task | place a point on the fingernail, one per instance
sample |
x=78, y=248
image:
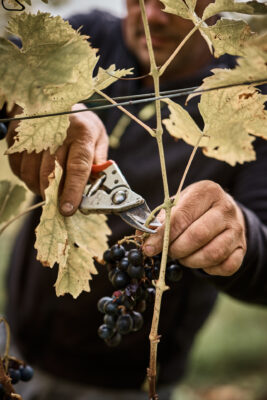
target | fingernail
x=149, y=249
x=66, y=208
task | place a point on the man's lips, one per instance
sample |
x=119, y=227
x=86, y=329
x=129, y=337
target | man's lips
x=157, y=40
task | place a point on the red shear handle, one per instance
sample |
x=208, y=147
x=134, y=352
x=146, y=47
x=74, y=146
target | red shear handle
x=96, y=168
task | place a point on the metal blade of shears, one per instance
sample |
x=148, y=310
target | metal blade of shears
x=137, y=216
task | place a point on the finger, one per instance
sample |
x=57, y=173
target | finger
x=78, y=168
x=230, y=266
x=214, y=253
x=29, y=171
x=199, y=233
x=194, y=201
x=101, y=148
x=48, y=165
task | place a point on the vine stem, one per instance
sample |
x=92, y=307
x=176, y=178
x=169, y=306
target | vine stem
x=160, y=284
x=132, y=116
x=21, y=214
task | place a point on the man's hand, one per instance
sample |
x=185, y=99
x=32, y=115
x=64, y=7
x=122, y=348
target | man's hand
x=86, y=142
x=207, y=230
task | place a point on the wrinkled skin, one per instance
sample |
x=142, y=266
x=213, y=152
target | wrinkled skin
x=207, y=234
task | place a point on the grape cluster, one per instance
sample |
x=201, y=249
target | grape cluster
x=17, y=371
x=132, y=275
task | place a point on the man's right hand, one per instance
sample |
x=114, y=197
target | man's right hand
x=86, y=142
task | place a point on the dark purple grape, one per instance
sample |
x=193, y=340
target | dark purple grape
x=105, y=332
x=26, y=373
x=123, y=265
x=149, y=273
x=136, y=271
x=107, y=256
x=174, y=272
x=151, y=292
x=111, y=307
x=3, y=130
x=135, y=257
x=124, y=324
x=117, y=252
x=128, y=302
x=141, y=306
x=111, y=274
x=101, y=303
x=120, y=279
x=137, y=321
x=14, y=375
x=114, y=340
x=155, y=272
x=110, y=320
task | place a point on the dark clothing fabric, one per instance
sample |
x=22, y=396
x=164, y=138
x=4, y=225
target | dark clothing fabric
x=59, y=335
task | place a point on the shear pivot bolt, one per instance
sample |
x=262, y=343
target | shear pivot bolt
x=119, y=197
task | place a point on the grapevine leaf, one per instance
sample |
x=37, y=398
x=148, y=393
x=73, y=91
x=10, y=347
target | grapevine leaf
x=11, y=198
x=177, y=7
x=251, y=67
x=181, y=126
x=25, y=73
x=231, y=116
x=106, y=77
x=72, y=242
x=191, y=4
x=250, y=7
x=228, y=36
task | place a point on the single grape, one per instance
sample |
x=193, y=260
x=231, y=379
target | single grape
x=123, y=265
x=111, y=307
x=110, y=320
x=3, y=130
x=141, y=306
x=120, y=279
x=128, y=302
x=117, y=252
x=105, y=332
x=14, y=375
x=26, y=372
x=174, y=272
x=136, y=271
x=137, y=321
x=107, y=256
x=149, y=273
x=151, y=292
x=114, y=340
x=101, y=303
x=135, y=257
x=124, y=324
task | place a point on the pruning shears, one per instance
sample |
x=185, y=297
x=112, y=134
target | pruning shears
x=109, y=193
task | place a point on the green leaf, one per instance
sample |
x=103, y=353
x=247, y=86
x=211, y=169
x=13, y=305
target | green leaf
x=250, y=7
x=228, y=36
x=72, y=242
x=106, y=77
x=11, y=198
x=177, y=7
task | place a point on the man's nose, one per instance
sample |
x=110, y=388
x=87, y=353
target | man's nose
x=154, y=12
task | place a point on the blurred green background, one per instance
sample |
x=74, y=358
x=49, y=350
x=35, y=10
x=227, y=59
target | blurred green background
x=229, y=358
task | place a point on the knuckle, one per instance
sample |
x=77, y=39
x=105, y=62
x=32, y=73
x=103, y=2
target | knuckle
x=214, y=255
x=230, y=267
x=183, y=219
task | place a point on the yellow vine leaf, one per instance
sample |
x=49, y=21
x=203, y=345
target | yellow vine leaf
x=72, y=242
x=11, y=198
x=250, y=7
x=228, y=36
x=63, y=76
x=177, y=7
x=231, y=117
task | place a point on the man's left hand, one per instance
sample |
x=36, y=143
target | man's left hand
x=207, y=230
